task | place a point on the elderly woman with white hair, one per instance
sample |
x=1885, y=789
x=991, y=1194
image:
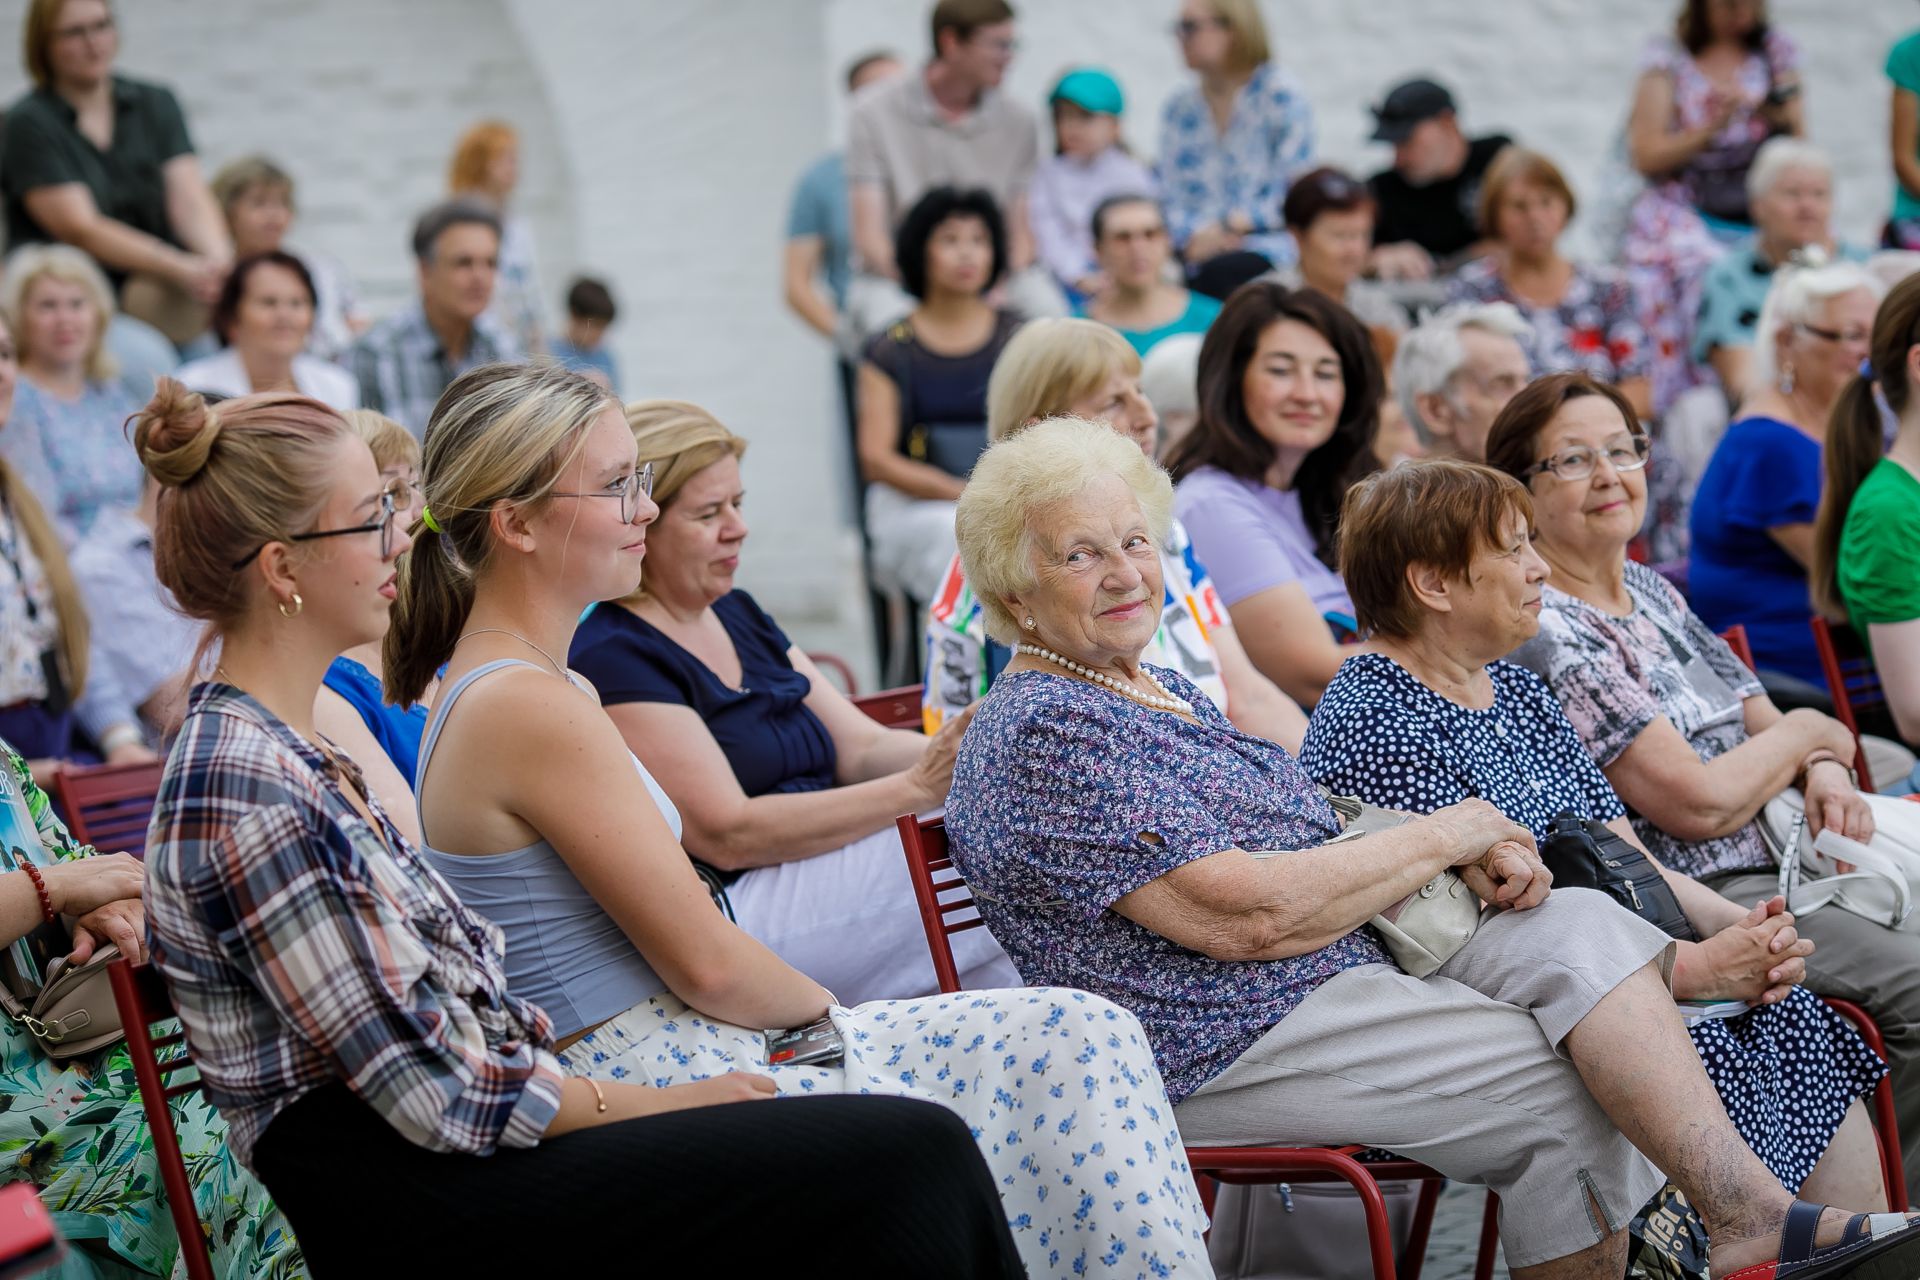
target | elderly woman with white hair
x=1455, y=372
x=1087, y=370
x=1105, y=812
x=1790, y=191
x=66, y=436
x=1753, y=512
x=1169, y=379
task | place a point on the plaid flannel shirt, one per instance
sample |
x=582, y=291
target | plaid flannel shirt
x=300, y=949
x=402, y=368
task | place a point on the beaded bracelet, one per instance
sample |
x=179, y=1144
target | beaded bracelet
x=39, y=887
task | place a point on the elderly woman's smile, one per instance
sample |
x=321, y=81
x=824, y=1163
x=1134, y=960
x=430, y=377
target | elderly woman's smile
x=1097, y=578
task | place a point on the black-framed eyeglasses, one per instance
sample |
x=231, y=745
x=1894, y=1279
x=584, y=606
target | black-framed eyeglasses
x=383, y=526
x=1188, y=28
x=1852, y=337
x=1623, y=453
x=629, y=489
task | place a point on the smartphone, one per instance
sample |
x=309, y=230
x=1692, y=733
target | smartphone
x=28, y=1241
x=816, y=1044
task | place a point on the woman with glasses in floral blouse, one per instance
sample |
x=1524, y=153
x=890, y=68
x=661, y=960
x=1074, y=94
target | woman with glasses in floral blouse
x=350, y=1016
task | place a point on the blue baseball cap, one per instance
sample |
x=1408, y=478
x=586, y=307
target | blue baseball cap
x=1091, y=90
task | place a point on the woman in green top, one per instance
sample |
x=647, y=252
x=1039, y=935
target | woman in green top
x=75, y=1128
x=1867, y=537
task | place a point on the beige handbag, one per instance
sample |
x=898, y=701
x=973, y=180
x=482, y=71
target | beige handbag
x=73, y=1013
x=1426, y=928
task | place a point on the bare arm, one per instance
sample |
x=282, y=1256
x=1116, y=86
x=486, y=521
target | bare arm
x=1664, y=779
x=864, y=748
x=877, y=443
x=1288, y=640
x=1906, y=141
x=572, y=783
x=872, y=238
x=1255, y=704
x=1020, y=249
x=337, y=721
x=734, y=831
x=1639, y=394
x=1796, y=540
x=1654, y=146
x=1896, y=653
x=68, y=212
x=800, y=264
x=1234, y=907
x=192, y=211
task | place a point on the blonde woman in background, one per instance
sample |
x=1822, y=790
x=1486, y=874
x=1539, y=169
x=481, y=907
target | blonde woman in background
x=486, y=167
x=1086, y=370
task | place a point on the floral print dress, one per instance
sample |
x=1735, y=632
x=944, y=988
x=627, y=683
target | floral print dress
x=76, y=1131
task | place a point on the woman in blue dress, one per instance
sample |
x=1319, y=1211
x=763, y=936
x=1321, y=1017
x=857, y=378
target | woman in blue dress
x=1443, y=574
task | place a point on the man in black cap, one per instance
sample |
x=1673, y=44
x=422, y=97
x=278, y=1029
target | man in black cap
x=1425, y=218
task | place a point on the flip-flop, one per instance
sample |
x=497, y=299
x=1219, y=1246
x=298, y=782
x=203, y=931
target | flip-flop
x=1874, y=1246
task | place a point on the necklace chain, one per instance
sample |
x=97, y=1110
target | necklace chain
x=502, y=631
x=1167, y=701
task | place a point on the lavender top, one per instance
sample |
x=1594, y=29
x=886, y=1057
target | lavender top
x=1067, y=798
x=1252, y=536
x=1062, y=197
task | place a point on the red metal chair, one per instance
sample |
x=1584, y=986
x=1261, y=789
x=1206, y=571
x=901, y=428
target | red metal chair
x=143, y=1000
x=1852, y=682
x=946, y=908
x=894, y=708
x=1736, y=638
x=840, y=667
x=107, y=805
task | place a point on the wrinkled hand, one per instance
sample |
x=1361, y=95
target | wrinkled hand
x=1509, y=877
x=1473, y=827
x=932, y=773
x=1832, y=803
x=86, y=884
x=1760, y=959
x=122, y=923
x=1403, y=261
x=1824, y=733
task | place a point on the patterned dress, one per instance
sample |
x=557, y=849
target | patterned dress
x=76, y=1130
x=75, y=454
x=1207, y=174
x=1787, y=1072
x=1058, y=1087
x=962, y=662
x=1615, y=676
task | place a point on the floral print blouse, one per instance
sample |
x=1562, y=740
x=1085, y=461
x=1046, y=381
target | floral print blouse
x=1067, y=797
x=1593, y=328
x=1616, y=676
x=1206, y=174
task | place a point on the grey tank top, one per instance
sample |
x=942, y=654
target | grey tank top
x=564, y=952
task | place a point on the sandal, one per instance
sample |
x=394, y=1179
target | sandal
x=1874, y=1246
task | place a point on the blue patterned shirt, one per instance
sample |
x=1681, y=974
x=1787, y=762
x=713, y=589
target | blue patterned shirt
x=75, y=454
x=1058, y=788
x=303, y=947
x=1206, y=175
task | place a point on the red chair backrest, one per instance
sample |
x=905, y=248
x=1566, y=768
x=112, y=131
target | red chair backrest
x=1852, y=683
x=141, y=996
x=1736, y=638
x=840, y=667
x=894, y=708
x=108, y=805
x=946, y=905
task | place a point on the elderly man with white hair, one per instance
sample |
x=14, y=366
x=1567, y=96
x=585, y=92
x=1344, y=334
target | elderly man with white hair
x=1455, y=372
x=1790, y=191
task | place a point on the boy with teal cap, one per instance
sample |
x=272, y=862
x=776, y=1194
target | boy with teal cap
x=1090, y=164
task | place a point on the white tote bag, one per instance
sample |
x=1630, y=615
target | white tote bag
x=1885, y=880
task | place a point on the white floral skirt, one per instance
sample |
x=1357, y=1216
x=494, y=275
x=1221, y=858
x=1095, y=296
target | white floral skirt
x=1059, y=1088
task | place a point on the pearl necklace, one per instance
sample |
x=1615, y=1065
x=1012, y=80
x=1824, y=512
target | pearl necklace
x=1165, y=702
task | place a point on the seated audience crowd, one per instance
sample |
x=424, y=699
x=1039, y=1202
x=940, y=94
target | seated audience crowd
x=1289, y=551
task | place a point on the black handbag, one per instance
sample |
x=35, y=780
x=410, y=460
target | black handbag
x=1583, y=854
x=951, y=446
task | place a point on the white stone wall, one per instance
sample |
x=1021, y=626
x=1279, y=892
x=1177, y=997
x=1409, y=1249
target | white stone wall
x=661, y=139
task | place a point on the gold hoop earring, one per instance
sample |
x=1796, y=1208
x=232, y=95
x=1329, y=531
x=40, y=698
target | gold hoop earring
x=298, y=605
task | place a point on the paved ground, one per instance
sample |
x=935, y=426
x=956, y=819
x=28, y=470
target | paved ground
x=1456, y=1235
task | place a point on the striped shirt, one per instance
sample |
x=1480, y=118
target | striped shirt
x=402, y=368
x=301, y=949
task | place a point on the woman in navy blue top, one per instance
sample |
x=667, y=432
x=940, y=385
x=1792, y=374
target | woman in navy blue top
x=1752, y=520
x=787, y=791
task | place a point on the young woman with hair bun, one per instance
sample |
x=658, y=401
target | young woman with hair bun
x=348, y=1013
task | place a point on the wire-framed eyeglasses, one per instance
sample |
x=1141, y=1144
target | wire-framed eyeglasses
x=1623, y=453
x=383, y=525
x=629, y=488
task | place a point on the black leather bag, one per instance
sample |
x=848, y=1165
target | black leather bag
x=1583, y=854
